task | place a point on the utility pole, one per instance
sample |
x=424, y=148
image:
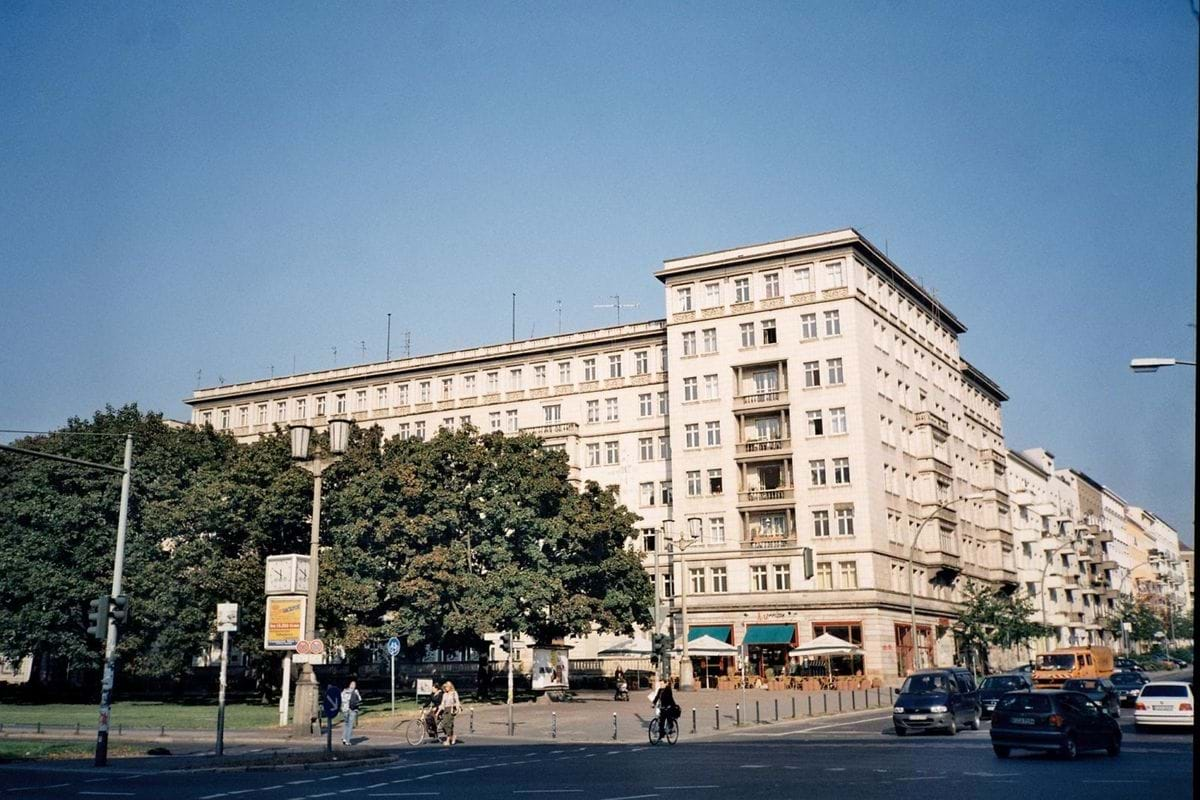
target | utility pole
x=110, y=644
x=511, y=648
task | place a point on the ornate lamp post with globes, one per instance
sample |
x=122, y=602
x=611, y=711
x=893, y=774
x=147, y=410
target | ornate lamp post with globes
x=307, y=691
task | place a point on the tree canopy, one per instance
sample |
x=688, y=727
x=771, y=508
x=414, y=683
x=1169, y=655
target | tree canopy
x=993, y=617
x=437, y=542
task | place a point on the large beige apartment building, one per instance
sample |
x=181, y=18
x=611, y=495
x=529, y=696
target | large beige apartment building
x=803, y=403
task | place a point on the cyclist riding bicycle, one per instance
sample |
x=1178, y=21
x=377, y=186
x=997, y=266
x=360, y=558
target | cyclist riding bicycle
x=663, y=700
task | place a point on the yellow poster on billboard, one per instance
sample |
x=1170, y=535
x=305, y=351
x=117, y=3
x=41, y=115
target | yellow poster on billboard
x=285, y=621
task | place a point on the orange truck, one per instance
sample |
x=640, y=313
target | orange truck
x=1053, y=668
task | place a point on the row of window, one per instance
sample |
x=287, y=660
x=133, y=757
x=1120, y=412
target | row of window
x=769, y=525
x=769, y=285
x=751, y=334
x=765, y=578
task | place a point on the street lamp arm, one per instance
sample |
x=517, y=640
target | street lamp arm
x=912, y=601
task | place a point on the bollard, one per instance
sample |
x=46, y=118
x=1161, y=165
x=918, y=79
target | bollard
x=840, y=701
x=162, y=730
x=76, y=728
x=737, y=715
x=825, y=701
x=471, y=722
x=614, y=726
x=717, y=713
x=853, y=700
x=810, y=705
x=39, y=727
x=777, y=709
x=878, y=696
x=693, y=720
x=757, y=715
x=553, y=724
x=793, y=706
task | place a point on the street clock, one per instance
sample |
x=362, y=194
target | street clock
x=287, y=574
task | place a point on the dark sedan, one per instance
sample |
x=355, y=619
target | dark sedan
x=1053, y=720
x=1128, y=685
x=1099, y=690
x=996, y=686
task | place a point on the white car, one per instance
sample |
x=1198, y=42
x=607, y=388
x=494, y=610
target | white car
x=1165, y=703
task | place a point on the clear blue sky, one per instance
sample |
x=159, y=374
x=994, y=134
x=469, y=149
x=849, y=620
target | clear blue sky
x=231, y=188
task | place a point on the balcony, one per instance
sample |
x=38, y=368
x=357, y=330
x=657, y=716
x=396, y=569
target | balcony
x=769, y=542
x=933, y=421
x=758, y=448
x=1107, y=564
x=1006, y=576
x=1104, y=536
x=782, y=495
x=761, y=401
x=944, y=554
x=935, y=465
x=1075, y=617
x=557, y=430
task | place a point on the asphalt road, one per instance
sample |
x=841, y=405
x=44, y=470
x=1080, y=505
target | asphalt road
x=858, y=754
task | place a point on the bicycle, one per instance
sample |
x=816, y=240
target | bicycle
x=416, y=731
x=664, y=726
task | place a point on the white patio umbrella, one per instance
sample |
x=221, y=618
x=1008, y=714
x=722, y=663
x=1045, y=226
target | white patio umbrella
x=826, y=645
x=708, y=646
x=627, y=648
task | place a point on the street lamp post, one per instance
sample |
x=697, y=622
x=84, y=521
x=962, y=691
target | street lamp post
x=307, y=691
x=1150, y=562
x=1153, y=364
x=685, y=664
x=658, y=546
x=1042, y=586
x=912, y=601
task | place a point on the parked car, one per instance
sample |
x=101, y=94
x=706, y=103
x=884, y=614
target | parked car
x=1179, y=662
x=1125, y=663
x=996, y=686
x=1052, y=720
x=1128, y=684
x=937, y=699
x=1099, y=690
x=1165, y=703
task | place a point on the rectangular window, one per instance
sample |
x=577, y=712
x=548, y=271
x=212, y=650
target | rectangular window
x=715, y=483
x=808, y=326
x=824, y=575
x=493, y=382
x=225, y=417
x=816, y=471
x=812, y=373
x=741, y=290
x=662, y=404
x=447, y=388
x=564, y=372
x=849, y=576
x=837, y=420
x=511, y=418
x=301, y=409
x=720, y=580
x=614, y=365
x=710, y=340
x=783, y=578
x=804, y=280
x=593, y=454
x=381, y=397
x=833, y=323
x=646, y=493
x=683, y=299
x=402, y=394
x=771, y=284
x=713, y=433
x=662, y=359
x=339, y=403
x=821, y=524
x=404, y=431
x=494, y=420
x=593, y=410
x=693, y=483
x=244, y=412
x=646, y=448
x=645, y=405
x=360, y=400
x=448, y=423
x=469, y=386
x=845, y=521
x=664, y=447
x=668, y=582
x=641, y=362
x=716, y=530
x=712, y=387
x=424, y=395
x=589, y=369
x=712, y=295
x=649, y=540
x=835, y=371
x=758, y=578
x=539, y=375
x=815, y=426
x=768, y=331
x=665, y=495
x=697, y=578
x=841, y=471
x=610, y=409
x=553, y=413
x=689, y=343
x=747, y=331
x=691, y=435
x=690, y=390
x=833, y=275
x=419, y=430
x=514, y=380
x=280, y=410
x=612, y=452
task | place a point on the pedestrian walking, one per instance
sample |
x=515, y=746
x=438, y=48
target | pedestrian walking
x=450, y=707
x=351, y=700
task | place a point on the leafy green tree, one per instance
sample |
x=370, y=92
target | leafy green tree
x=1144, y=622
x=990, y=617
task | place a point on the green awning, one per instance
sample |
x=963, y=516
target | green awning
x=718, y=632
x=770, y=634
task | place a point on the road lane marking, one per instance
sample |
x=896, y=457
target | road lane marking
x=630, y=797
x=546, y=791
x=405, y=794
x=924, y=778
x=110, y=794
x=699, y=786
x=818, y=727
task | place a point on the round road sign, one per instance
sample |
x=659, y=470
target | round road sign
x=393, y=647
x=302, y=646
x=316, y=647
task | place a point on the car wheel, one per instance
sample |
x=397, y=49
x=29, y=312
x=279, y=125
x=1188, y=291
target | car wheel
x=901, y=731
x=1070, y=748
x=1114, y=748
x=952, y=728
x=1001, y=751
x=974, y=724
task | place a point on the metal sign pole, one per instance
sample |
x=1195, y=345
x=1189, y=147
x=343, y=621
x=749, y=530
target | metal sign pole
x=512, y=647
x=393, y=686
x=285, y=694
x=221, y=694
x=110, y=644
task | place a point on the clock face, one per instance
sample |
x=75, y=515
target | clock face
x=278, y=579
x=301, y=577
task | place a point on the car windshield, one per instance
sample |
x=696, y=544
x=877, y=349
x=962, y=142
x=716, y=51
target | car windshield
x=1056, y=661
x=924, y=684
x=1002, y=683
x=1081, y=686
x=1018, y=703
x=1162, y=690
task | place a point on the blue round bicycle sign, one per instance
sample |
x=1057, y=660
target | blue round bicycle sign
x=393, y=647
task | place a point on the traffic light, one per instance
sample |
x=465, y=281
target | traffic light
x=506, y=642
x=120, y=609
x=808, y=563
x=98, y=616
x=662, y=645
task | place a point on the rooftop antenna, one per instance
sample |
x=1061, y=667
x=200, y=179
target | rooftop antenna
x=558, y=308
x=363, y=346
x=617, y=305
x=514, y=316
x=388, y=351
x=407, y=344
x=199, y=377
x=293, y=363
x=334, y=356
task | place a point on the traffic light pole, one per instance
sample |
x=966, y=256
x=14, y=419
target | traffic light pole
x=110, y=645
x=510, y=684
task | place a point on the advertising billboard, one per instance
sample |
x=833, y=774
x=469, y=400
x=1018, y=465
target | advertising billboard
x=285, y=621
x=551, y=668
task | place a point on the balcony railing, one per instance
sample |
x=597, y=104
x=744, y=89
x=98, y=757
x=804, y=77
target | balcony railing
x=764, y=495
x=760, y=399
x=763, y=446
x=555, y=429
x=768, y=542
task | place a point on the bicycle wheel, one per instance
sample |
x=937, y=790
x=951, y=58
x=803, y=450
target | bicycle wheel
x=414, y=731
x=655, y=731
x=671, y=734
